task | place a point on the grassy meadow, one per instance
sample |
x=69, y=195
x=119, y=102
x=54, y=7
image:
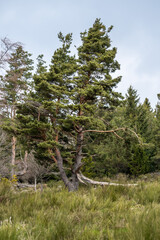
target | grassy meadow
x=107, y=213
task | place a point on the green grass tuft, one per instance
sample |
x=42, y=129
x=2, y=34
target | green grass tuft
x=110, y=212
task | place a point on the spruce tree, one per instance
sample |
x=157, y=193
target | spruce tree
x=157, y=134
x=131, y=104
x=139, y=117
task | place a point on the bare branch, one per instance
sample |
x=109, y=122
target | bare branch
x=25, y=168
x=107, y=131
x=135, y=135
x=7, y=47
x=85, y=180
x=118, y=135
x=114, y=132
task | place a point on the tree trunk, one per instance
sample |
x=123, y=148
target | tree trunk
x=13, y=159
x=78, y=159
x=74, y=183
x=63, y=175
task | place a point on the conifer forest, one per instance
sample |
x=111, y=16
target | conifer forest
x=65, y=127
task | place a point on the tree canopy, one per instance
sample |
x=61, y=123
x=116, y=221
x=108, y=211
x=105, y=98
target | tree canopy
x=70, y=113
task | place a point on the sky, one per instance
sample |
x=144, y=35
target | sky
x=136, y=33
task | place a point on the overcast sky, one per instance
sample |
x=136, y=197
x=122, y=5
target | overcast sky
x=136, y=33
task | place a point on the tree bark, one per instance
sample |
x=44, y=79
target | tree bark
x=13, y=157
x=85, y=180
x=63, y=175
x=78, y=158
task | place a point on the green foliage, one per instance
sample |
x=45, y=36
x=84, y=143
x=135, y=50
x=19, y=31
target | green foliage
x=131, y=103
x=125, y=152
x=75, y=94
x=18, y=76
x=67, y=96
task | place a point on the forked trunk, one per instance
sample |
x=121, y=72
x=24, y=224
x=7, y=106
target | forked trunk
x=72, y=184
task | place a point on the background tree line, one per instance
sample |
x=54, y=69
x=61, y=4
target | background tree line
x=69, y=118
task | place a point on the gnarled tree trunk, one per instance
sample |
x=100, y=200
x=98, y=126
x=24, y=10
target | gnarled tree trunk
x=72, y=184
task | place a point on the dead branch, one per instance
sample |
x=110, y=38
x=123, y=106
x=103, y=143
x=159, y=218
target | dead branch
x=118, y=135
x=107, y=131
x=7, y=48
x=135, y=135
x=114, y=132
x=24, y=185
x=25, y=168
x=86, y=180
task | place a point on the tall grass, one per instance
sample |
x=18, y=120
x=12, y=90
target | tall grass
x=109, y=212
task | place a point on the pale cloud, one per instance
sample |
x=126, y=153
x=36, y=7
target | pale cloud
x=9, y=16
x=145, y=82
x=136, y=33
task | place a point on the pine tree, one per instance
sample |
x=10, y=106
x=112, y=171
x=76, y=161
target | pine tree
x=15, y=85
x=41, y=65
x=67, y=97
x=46, y=110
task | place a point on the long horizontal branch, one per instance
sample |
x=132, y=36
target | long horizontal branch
x=107, y=131
x=85, y=180
x=114, y=131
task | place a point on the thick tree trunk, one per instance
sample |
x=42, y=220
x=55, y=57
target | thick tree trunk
x=63, y=175
x=13, y=157
x=78, y=159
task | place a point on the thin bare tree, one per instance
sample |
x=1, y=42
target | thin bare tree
x=7, y=47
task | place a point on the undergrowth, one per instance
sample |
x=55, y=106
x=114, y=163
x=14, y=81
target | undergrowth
x=107, y=213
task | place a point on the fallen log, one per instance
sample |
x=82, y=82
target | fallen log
x=86, y=180
x=25, y=185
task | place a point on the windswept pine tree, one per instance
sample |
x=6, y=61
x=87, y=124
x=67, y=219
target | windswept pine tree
x=61, y=112
x=43, y=115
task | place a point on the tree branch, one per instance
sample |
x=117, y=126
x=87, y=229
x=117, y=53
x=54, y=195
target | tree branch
x=114, y=132
x=86, y=180
x=107, y=131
